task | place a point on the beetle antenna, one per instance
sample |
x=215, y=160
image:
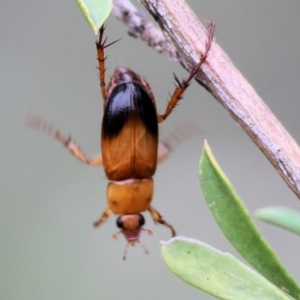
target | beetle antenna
x=143, y=246
x=127, y=246
x=125, y=251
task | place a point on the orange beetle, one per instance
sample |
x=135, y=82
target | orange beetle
x=129, y=143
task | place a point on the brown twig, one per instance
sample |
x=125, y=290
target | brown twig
x=228, y=86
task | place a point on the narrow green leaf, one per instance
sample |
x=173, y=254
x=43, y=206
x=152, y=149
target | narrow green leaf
x=234, y=220
x=95, y=12
x=217, y=273
x=282, y=217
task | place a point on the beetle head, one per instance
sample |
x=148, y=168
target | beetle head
x=130, y=226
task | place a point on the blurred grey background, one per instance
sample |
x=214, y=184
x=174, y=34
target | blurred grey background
x=48, y=247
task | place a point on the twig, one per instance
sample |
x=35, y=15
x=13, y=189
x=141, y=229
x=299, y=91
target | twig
x=229, y=87
x=140, y=27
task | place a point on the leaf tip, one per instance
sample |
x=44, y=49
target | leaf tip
x=206, y=146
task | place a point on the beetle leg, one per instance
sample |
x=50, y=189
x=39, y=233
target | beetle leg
x=174, y=138
x=163, y=152
x=157, y=218
x=183, y=85
x=39, y=124
x=100, y=45
x=103, y=217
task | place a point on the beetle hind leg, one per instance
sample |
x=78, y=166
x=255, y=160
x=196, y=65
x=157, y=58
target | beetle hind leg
x=157, y=218
x=41, y=125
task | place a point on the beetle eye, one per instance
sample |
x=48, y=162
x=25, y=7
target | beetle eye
x=119, y=222
x=141, y=220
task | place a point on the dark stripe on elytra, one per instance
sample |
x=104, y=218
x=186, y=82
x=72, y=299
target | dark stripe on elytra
x=125, y=101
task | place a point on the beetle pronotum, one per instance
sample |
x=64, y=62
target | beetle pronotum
x=129, y=143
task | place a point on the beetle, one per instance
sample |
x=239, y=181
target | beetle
x=129, y=143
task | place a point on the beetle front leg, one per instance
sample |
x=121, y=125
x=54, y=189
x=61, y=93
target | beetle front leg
x=157, y=218
x=103, y=217
x=183, y=85
x=39, y=124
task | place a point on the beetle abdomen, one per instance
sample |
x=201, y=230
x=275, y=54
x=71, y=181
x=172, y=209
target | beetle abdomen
x=129, y=133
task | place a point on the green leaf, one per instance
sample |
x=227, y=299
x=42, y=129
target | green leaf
x=95, y=12
x=282, y=217
x=234, y=220
x=217, y=273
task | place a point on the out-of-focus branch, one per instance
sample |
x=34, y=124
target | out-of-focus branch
x=140, y=27
x=228, y=86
